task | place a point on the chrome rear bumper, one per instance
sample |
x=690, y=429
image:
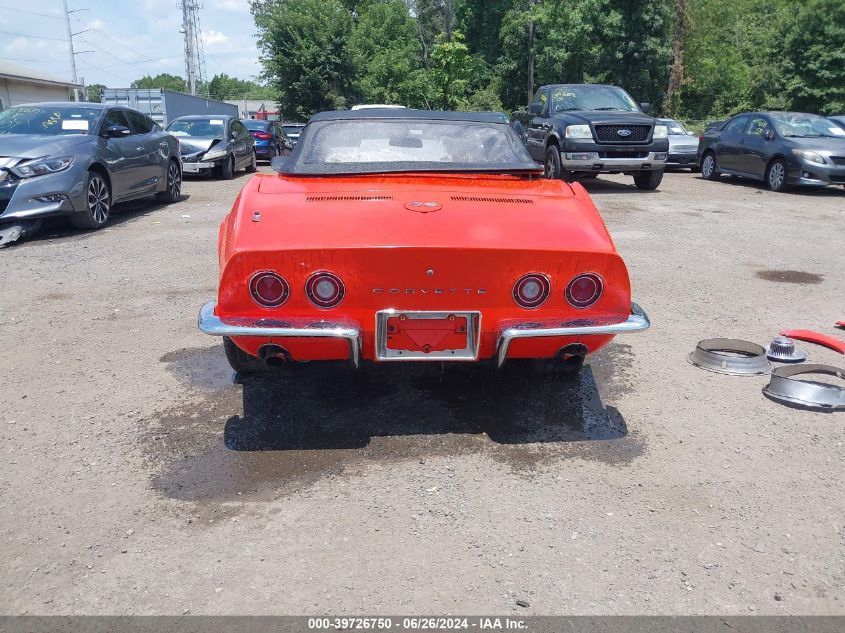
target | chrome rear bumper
x=637, y=321
x=210, y=323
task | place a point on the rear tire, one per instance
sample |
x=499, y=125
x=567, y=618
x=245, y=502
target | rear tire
x=648, y=180
x=242, y=362
x=97, y=202
x=708, y=167
x=776, y=175
x=174, y=184
x=252, y=167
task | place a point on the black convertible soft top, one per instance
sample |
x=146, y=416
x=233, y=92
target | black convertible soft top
x=402, y=113
x=394, y=140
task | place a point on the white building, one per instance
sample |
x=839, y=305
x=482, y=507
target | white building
x=24, y=85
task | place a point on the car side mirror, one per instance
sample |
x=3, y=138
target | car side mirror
x=645, y=106
x=535, y=108
x=117, y=131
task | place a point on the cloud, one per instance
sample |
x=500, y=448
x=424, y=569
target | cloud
x=237, y=6
x=212, y=38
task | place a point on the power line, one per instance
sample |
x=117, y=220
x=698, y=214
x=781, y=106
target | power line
x=38, y=37
x=43, y=15
x=140, y=61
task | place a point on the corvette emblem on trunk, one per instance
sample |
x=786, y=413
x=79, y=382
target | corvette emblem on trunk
x=422, y=207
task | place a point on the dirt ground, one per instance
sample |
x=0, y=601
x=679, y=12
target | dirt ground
x=138, y=478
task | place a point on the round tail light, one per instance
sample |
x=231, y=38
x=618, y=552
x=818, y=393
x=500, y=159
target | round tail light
x=269, y=289
x=530, y=291
x=324, y=290
x=584, y=290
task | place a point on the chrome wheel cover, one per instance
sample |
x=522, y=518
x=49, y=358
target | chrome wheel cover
x=98, y=200
x=550, y=167
x=776, y=176
x=707, y=167
x=174, y=181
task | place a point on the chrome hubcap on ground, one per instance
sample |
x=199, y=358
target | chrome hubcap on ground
x=776, y=176
x=707, y=168
x=174, y=181
x=98, y=200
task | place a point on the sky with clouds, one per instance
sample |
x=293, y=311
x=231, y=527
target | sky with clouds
x=127, y=38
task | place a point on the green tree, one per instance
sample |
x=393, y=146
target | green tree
x=386, y=54
x=812, y=64
x=164, y=81
x=95, y=92
x=451, y=71
x=481, y=21
x=306, y=54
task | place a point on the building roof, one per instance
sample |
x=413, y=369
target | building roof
x=13, y=71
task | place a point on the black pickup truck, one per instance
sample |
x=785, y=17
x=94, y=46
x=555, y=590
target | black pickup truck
x=580, y=130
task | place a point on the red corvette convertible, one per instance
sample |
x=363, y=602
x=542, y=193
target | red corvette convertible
x=407, y=235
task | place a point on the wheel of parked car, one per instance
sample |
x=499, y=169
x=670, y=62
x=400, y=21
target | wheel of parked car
x=648, y=180
x=708, y=167
x=227, y=169
x=776, y=175
x=174, y=184
x=98, y=202
x=240, y=361
x=253, y=164
x=553, y=169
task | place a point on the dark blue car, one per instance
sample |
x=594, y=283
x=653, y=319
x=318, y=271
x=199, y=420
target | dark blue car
x=270, y=138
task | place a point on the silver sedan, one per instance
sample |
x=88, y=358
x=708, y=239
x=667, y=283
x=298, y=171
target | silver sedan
x=79, y=159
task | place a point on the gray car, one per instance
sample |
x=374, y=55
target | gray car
x=78, y=159
x=217, y=145
x=683, y=146
x=779, y=148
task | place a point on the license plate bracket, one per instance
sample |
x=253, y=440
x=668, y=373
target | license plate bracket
x=435, y=336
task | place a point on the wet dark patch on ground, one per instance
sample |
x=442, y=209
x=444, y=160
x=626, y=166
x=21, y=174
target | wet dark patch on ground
x=274, y=435
x=790, y=276
x=203, y=367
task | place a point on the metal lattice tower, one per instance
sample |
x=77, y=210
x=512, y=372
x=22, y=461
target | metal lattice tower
x=194, y=53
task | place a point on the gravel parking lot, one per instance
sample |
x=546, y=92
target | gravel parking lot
x=138, y=478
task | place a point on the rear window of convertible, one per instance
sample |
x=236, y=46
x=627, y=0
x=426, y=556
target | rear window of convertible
x=374, y=145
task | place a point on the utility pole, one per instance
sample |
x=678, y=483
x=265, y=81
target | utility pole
x=532, y=36
x=70, y=45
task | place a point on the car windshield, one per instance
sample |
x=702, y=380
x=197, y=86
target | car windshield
x=202, y=128
x=370, y=145
x=255, y=124
x=801, y=125
x=675, y=128
x=592, y=97
x=293, y=129
x=53, y=120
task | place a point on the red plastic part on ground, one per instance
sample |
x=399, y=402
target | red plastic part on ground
x=818, y=338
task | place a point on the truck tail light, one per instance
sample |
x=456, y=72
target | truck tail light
x=324, y=289
x=269, y=289
x=584, y=290
x=531, y=290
